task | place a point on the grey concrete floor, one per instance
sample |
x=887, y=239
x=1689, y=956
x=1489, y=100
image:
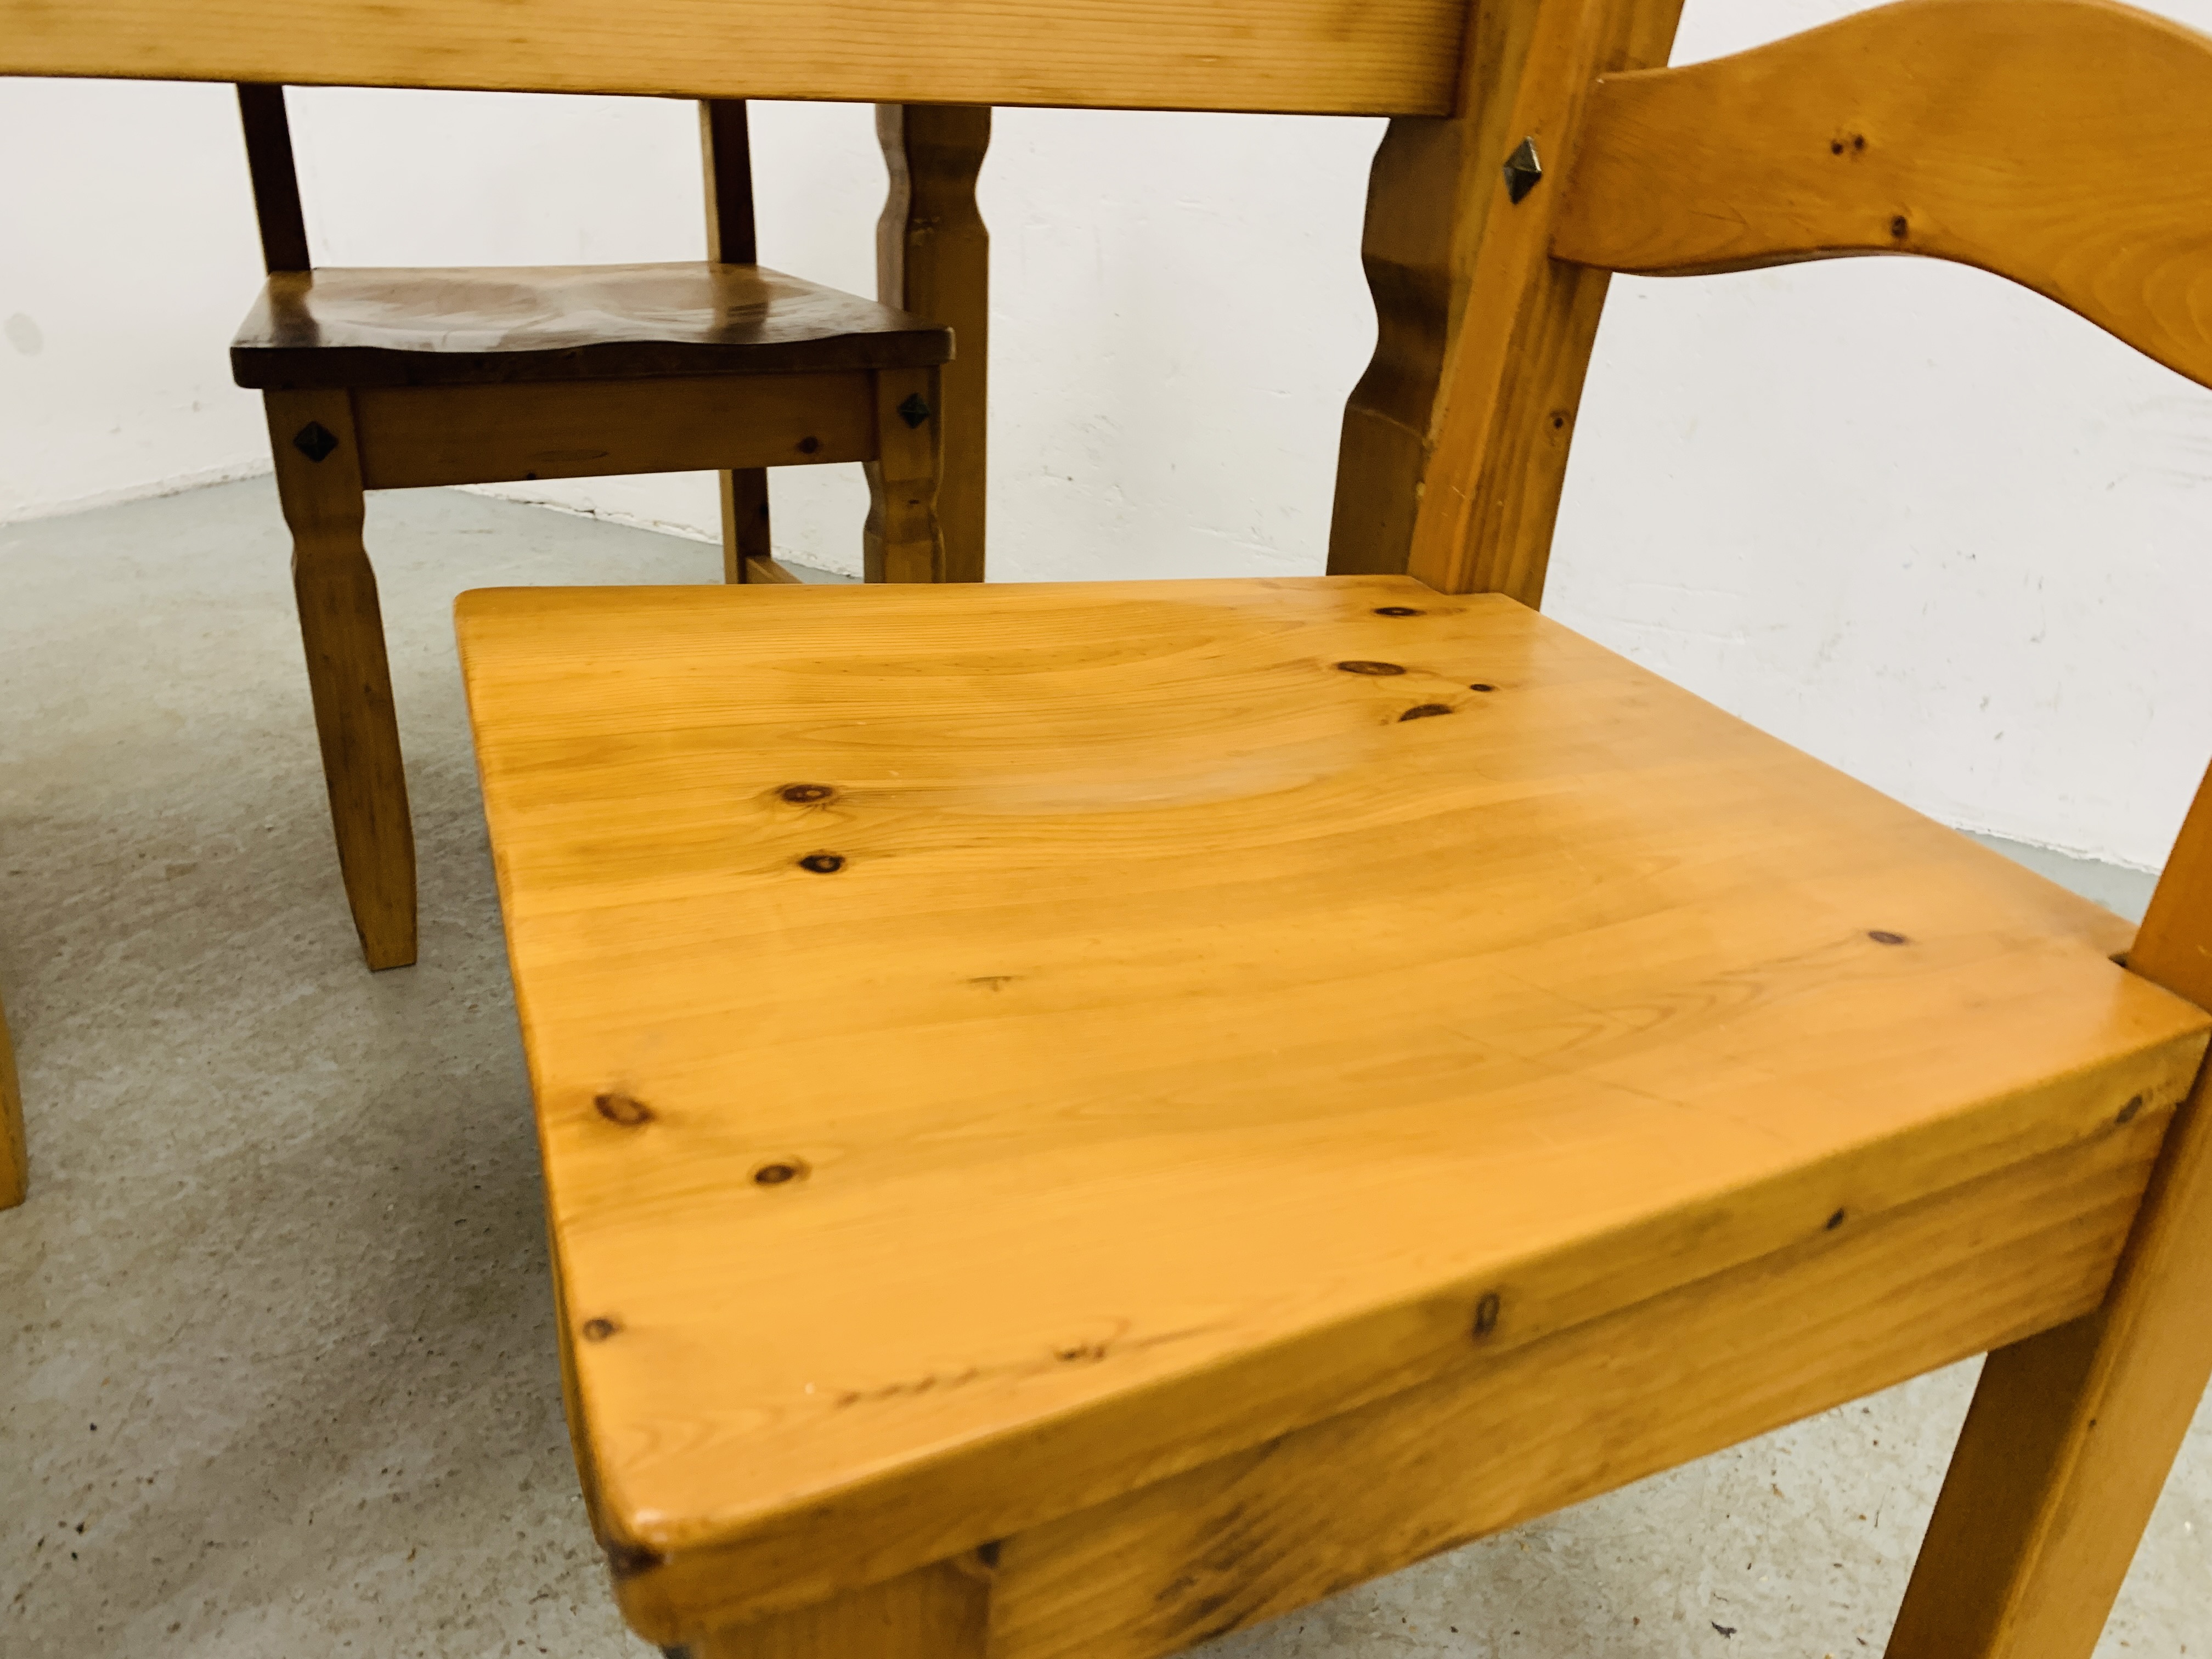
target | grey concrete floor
x=279, y=1375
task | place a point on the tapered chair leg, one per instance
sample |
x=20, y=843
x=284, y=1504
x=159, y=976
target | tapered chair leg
x=2069, y=1440
x=902, y=542
x=319, y=480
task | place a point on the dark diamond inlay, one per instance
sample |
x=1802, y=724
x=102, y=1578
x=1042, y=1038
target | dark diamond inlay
x=1522, y=169
x=914, y=410
x=315, y=441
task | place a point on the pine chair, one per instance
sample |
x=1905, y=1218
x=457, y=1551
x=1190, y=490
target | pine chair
x=1079, y=1118
x=381, y=378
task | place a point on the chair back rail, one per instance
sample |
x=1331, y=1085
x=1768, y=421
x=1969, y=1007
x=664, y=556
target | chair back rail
x=2066, y=144
x=275, y=177
x=726, y=155
x=1318, y=57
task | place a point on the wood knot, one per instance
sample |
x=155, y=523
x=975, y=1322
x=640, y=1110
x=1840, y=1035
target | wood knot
x=1421, y=711
x=1370, y=668
x=808, y=446
x=1485, y=1314
x=1835, y=1221
x=599, y=1330
x=1883, y=936
x=1482, y=686
x=823, y=863
x=2128, y=1112
x=1396, y=610
x=806, y=794
x=625, y=1109
x=781, y=1172
x=1899, y=228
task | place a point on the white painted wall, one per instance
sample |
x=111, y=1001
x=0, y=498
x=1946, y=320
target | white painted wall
x=1931, y=528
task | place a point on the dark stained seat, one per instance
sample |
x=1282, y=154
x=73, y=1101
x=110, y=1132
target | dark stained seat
x=469, y=326
x=402, y=377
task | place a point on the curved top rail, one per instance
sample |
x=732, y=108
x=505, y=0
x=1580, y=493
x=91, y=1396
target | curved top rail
x=2066, y=144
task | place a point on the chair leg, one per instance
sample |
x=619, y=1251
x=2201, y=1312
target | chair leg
x=319, y=480
x=934, y=258
x=2069, y=1439
x=14, y=1152
x=938, y=1612
x=744, y=522
x=902, y=542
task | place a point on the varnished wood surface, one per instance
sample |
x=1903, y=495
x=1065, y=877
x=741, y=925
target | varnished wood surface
x=725, y=157
x=998, y=1047
x=397, y=326
x=1494, y=1442
x=413, y=436
x=1377, y=57
x=934, y=258
x=2174, y=945
x=15, y=1151
x=901, y=540
x=774, y=571
x=268, y=133
x=937, y=1611
x=1513, y=375
x=1428, y=218
x=2066, y=144
x=2071, y=1433
x=318, y=484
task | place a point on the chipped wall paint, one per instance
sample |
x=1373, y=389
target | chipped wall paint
x=1926, y=526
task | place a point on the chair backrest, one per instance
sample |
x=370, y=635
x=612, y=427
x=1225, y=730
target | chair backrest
x=725, y=153
x=2066, y=144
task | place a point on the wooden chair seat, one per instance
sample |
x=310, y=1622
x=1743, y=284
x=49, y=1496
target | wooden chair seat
x=1069, y=1073
x=397, y=326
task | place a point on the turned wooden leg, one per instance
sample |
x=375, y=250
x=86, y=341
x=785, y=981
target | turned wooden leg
x=938, y=1612
x=744, y=522
x=934, y=258
x=15, y=1154
x=319, y=480
x=2071, y=1433
x=902, y=543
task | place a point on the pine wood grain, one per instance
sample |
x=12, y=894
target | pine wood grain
x=421, y=435
x=15, y=1149
x=1085, y=1032
x=395, y=326
x=1379, y=58
x=937, y=1611
x=342, y=628
x=2066, y=144
x=2071, y=1433
x=1495, y=1443
x=1514, y=370
x=901, y=540
x=933, y=260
